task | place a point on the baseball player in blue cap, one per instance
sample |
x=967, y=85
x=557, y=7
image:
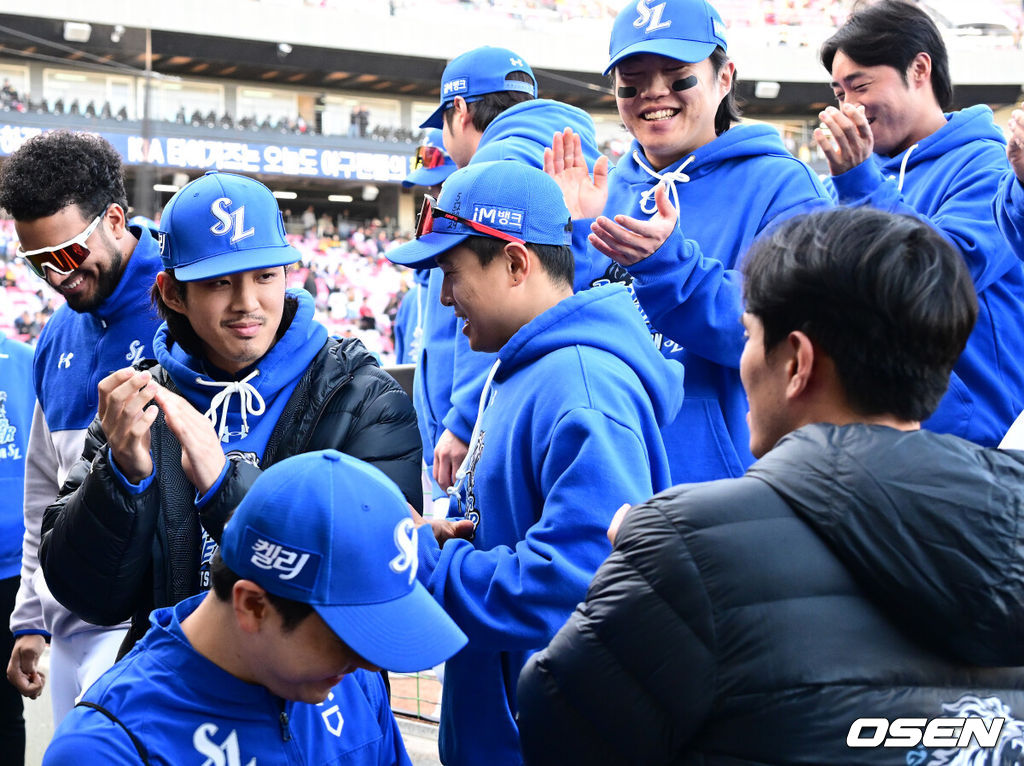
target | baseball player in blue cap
x=489, y=110
x=566, y=430
x=314, y=585
x=676, y=214
x=246, y=378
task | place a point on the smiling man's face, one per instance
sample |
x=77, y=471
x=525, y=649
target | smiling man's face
x=890, y=105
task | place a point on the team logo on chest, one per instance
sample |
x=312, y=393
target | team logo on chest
x=8, y=449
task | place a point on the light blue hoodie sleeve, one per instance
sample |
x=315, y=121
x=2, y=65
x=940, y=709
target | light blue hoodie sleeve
x=1009, y=211
x=964, y=216
x=508, y=599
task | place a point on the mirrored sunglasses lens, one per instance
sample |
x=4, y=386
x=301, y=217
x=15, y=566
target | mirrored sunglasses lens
x=63, y=261
x=425, y=219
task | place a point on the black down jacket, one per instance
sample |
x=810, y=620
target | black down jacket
x=854, y=571
x=108, y=555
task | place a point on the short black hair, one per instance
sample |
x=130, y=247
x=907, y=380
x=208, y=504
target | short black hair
x=223, y=579
x=491, y=105
x=180, y=329
x=891, y=33
x=557, y=260
x=60, y=168
x=885, y=296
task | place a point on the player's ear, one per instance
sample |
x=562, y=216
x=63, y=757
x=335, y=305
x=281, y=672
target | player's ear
x=250, y=605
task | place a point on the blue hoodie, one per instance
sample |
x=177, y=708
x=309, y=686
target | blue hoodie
x=570, y=432
x=409, y=320
x=76, y=351
x=16, y=405
x=689, y=291
x=187, y=710
x=1009, y=209
x=950, y=180
x=245, y=407
x=451, y=375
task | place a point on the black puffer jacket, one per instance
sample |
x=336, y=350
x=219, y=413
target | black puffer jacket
x=854, y=571
x=108, y=555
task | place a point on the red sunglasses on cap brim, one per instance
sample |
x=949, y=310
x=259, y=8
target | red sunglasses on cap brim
x=429, y=211
x=429, y=157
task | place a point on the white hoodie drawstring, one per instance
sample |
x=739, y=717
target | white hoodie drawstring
x=464, y=468
x=247, y=395
x=670, y=180
x=903, y=168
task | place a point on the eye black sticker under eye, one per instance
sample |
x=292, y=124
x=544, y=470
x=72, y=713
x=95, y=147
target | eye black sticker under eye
x=685, y=84
x=627, y=91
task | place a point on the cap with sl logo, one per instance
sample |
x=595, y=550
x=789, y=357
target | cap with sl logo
x=684, y=30
x=222, y=223
x=478, y=72
x=334, y=532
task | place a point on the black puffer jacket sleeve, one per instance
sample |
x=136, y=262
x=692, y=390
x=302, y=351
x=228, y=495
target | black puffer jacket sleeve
x=382, y=430
x=216, y=512
x=96, y=546
x=631, y=676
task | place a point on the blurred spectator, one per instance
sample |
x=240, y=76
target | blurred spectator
x=308, y=221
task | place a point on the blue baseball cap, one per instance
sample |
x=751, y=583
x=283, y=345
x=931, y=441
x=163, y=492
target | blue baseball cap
x=477, y=73
x=334, y=532
x=506, y=195
x=222, y=223
x=684, y=30
x=431, y=176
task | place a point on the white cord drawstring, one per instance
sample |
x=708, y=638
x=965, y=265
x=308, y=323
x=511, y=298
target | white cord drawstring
x=903, y=168
x=669, y=179
x=247, y=394
x=464, y=468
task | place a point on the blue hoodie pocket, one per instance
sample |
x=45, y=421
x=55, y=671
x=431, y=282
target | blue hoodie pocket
x=699, y=445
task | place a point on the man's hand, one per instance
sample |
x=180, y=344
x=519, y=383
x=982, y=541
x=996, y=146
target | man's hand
x=565, y=162
x=448, y=456
x=126, y=419
x=22, y=670
x=445, y=529
x=202, y=457
x=629, y=240
x=846, y=139
x=1015, y=143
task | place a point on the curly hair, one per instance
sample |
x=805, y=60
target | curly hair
x=53, y=170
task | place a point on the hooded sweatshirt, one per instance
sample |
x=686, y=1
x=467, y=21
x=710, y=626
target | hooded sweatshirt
x=408, y=325
x=950, y=179
x=245, y=407
x=451, y=375
x=74, y=353
x=569, y=431
x=855, y=571
x=727, y=192
x=16, y=404
x=184, y=709
x=1009, y=210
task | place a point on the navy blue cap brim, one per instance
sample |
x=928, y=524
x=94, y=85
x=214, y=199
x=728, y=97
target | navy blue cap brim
x=436, y=119
x=406, y=635
x=687, y=51
x=232, y=262
x=429, y=176
x=422, y=253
